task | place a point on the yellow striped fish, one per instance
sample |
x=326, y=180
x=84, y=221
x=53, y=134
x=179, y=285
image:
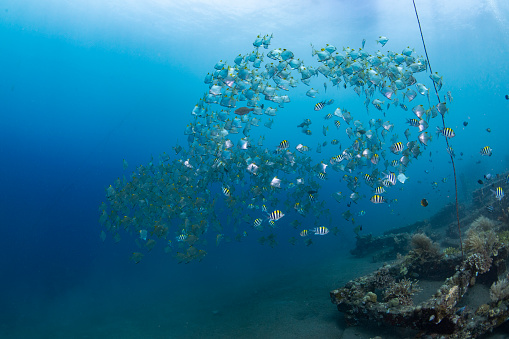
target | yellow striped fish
x=499, y=193
x=486, y=150
x=276, y=215
x=446, y=132
x=226, y=191
x=377, y=199
x=397, y=147
x=322, y=230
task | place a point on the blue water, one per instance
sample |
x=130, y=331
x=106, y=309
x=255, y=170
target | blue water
x=84, y=85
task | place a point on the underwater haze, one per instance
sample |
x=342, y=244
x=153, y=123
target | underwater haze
x=92, y=90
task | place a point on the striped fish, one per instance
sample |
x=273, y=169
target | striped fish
x=379, y=190
x=283, y=145
x=377, y=199
x=276, y=215
x=391, y=178
x=272, y=223
x=337, y=123
x=413, y=122
x=450, y=151
x=375, y=159
x=304, y=233
x=264, y=209
x=368, y=179
x=397, y=147
x=322, y=176
x=328, y=116
x=446, y=132
x=257, y=223
x=319, y=105
x=322, y=230
x=181, y=237
x=334, y=142
x=499, y=193
x=226, y=191
x=490, y=208
x=312, y=198
x=486, y=150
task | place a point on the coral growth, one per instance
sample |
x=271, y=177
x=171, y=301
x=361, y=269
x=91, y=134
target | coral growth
x=422, y=243
x=401, y=292
x=382, y=278
x=451, y=251
x=480, y=262
x=499, y=290
x=482, y=224
x=482, y=243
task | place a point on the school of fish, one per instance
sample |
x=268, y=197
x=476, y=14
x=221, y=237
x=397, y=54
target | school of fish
x=227, y=184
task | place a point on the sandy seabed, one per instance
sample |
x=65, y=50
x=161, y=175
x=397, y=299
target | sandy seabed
x=287, y=304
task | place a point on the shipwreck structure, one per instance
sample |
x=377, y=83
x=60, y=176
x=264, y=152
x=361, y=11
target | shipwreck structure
x=436, y=289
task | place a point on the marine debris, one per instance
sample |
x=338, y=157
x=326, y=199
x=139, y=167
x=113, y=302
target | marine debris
x=403, y=293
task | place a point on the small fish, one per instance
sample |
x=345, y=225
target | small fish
x=424, y=202
x=304, y=233
x=275, y=182
x=379, y=190
x=361, y=213
x=490, y=208
x=283, y=145
x=368, y=179
x=377, y=199
x=391, y=178
x=486, y=150
x=450, y=151
x=264, y=209
x=257, y=222
x=449, y=96
x=243, y=110
x=276, y=215
x=488, y=130
x=480, y=182
x=337, y=123
x=322, y=176
x=413, y=122
x=507, y=97
x=446, y=132
x=181, y=237
x=305, y=123
x=322, y=230
x=226, y=191
x=319, y=105
x=499, y=193
x=397, y=147
x=382, y=40
x=465, y=123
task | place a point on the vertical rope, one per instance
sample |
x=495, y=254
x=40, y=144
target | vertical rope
x=443, y=125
